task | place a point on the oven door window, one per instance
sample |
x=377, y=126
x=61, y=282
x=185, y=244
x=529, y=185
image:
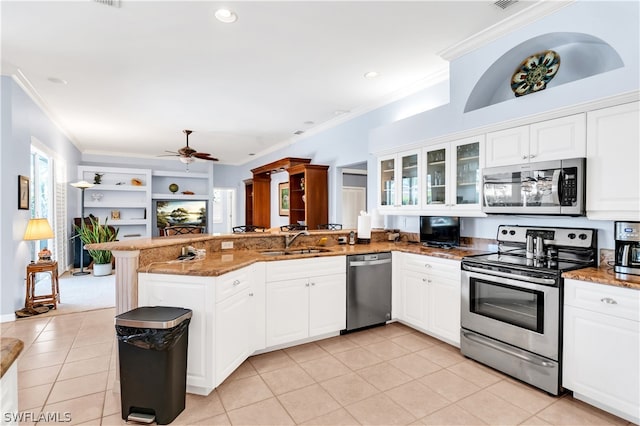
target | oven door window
x=508, y=304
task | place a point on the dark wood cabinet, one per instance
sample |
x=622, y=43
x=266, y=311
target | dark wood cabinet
x=248, y=201
x=308, y=195
x=308, y=201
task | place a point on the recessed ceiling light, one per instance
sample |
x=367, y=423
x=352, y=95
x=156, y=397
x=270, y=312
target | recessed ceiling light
x=252, y=153
x=298, y=132
x=226, y=16
x=371, y=74
x=57, y=80
x=340, y=112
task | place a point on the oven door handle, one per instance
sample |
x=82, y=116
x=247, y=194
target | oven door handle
x=536, y=280
x=530, y=359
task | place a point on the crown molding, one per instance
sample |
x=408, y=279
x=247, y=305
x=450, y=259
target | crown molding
x=23, y=81
x=524, y=17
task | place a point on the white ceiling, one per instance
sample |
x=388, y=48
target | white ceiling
x=140, y=73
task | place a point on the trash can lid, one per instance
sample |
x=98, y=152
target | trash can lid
x=153, y=317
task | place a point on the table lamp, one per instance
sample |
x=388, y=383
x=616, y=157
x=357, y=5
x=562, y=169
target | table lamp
x=39, y=229
x=82, y=185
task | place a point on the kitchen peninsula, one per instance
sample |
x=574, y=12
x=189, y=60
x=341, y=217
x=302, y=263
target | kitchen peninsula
x=157, y=255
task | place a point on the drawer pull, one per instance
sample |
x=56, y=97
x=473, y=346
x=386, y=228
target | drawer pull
x=426, y=265
x=236, y=282
x=424, y=280
x=250, y=294
x=608, y=301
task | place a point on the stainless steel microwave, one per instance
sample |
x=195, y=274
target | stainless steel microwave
x=549, y=187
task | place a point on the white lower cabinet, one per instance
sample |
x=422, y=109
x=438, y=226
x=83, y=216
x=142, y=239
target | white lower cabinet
x=222, y=333
x=601, y=350
x=9, y=396
x=311, y=303
x=430, y=295
x=234, y=332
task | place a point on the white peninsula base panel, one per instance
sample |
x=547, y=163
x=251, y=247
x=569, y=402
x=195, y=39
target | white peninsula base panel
x=602, y=347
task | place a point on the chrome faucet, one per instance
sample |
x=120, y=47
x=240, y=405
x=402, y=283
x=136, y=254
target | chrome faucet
x=288, y=239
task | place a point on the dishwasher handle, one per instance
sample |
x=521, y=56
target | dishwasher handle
x=369, y=262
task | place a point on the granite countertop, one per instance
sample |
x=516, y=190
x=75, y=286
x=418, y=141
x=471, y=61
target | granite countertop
x=604, y=275
x=11, y=348
x=220, y=262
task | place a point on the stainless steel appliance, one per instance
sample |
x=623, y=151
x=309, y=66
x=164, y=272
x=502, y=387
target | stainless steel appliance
x=368, y=290
x=550, y=187
x=627, y=248
x=511, y=308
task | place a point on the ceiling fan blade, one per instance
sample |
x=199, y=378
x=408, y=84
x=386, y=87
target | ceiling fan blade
x=169, y=155
x=204, y=156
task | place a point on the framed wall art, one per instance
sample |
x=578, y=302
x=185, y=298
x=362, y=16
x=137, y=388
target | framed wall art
x=23, y=192
x=283, y=197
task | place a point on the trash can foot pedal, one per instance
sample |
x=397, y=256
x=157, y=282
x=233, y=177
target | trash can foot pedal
x=141, y=418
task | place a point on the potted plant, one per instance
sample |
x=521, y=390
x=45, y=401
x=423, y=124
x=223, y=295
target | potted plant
x=93, y=233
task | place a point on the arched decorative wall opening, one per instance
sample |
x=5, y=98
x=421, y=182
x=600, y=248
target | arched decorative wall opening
x=582, y=55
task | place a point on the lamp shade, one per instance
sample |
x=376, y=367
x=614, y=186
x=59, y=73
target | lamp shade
x=83, y=184
x=38, y=229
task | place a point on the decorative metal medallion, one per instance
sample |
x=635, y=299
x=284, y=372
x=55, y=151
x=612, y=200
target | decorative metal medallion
x=535, y=72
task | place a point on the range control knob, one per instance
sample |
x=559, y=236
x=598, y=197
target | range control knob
x=504, y=232
x=571, y=236
x=512, y=232
x=582, y=236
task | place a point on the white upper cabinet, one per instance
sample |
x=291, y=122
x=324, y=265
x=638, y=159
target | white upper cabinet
x=451, y=179
x=547, y=140
x=613, y=163
x=402, y=167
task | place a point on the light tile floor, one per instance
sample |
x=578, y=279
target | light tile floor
x=382, y=376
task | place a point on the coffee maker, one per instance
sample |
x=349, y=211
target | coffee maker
x=627, y=236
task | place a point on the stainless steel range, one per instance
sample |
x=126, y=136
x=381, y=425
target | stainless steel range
x=511, y=311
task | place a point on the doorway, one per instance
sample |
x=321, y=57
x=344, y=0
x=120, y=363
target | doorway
x=223, y=210
x=354, y=194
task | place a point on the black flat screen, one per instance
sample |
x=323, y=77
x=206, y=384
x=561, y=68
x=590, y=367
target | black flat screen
x=440, y=230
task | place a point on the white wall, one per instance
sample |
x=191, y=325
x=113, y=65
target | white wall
x=22, y=119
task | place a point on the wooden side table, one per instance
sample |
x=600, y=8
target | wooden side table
x=42, y=267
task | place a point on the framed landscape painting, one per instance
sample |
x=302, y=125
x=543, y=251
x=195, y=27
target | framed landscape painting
x=283, y=192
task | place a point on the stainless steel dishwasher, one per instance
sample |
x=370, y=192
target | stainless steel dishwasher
x=368, y=290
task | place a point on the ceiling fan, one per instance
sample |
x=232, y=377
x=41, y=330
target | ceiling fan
x=188, y=155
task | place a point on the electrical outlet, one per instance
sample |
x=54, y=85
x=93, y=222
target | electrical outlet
x=227, y=245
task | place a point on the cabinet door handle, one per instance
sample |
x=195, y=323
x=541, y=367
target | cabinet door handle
x=608, y=301
x=426, y=265
x=306, y=285
x=424, y=280
x=524, y=157
x=250, y=294
x=532, y=156
x=313, y=283
x=236, y=282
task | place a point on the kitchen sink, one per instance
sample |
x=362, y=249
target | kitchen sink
x=290, y=252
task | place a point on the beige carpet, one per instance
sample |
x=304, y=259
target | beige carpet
x=80, y=293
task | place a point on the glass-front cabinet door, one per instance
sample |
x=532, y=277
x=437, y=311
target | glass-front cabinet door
x=387, y=167
x=402, y=167
x=410, y=179
x=436, y=175
x=467, y=163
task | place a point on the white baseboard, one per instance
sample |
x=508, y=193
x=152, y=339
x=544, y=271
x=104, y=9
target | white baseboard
x=7, y=317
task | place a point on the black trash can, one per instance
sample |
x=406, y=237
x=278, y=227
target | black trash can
x=152, y=343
